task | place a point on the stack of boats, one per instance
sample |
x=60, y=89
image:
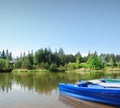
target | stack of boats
x=105, y=91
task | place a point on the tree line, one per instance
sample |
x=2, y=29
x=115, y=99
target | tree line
x=57, y=60
x=5, y=57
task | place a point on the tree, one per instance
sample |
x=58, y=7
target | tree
x=78, y=57
x=26, y=64
x=61, y=51
x=3, y=56
x=46, y=65
x=53, y=67
x=107, y=58
x=69, y=58
x=7, y=63
x=118, y=64
x=30, y=58
x=117, y=58
x=10, y=56
x=77, y=64
x=18, y=64
x=7, y=53
x=111, y=62
x=39, y=56
x=94, y=62
x=61, y=55
x=2, y=64
x=56, y=59
x=70, y=66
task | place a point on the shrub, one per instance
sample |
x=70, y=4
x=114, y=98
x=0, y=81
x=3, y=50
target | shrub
x=53, y=67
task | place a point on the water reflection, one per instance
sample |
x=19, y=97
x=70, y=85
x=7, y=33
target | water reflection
x=44, y=83
x=40, y=83
x=31, y=91
x=77, y=103
x=38, y=91
x=5, y=82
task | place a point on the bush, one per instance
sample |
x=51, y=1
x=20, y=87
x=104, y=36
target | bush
x=94, y=62
x=61, y=69
x=70, y=66
x=26, y=64
x=44, y=65
x=53, y=67
x=2, y=64
x=18, y=64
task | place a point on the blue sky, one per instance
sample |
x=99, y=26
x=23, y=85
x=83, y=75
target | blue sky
x=74, y=25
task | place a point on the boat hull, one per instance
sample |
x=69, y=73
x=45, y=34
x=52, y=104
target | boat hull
x=99, y=94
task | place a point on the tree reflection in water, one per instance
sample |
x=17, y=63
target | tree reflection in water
x=43, y=83
x=35, y=90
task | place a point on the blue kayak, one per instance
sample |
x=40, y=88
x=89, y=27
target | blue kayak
x=92, y=92
x=111, y=80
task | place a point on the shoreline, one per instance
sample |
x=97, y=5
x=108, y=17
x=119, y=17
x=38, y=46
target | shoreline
x=82, y=70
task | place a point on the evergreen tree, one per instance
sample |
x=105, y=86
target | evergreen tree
x=30, y=58
x=61, y=55
x=3, y=56
x=39, y=57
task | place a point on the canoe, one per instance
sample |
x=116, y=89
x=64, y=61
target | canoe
x=91, y=92
x=105, y=83
x=111, y=80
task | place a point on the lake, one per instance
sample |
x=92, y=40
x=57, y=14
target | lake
x=41, y=91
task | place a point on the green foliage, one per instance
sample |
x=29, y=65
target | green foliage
x=45, y=58
x=77, y=65
x=53, y=67
x=111, y=62
x=94, y=62
x=26, y=64
x=61, y=69
x=44, y=65
x=61, y=56
x=3, y=55
x=30, y=58
x=5, y=58
x=84, y=65
x=18, y=64
x=6, y=55
x=70, y=66
x=78, y=57
x=118, y=65
x=2, y=64
x=69, y=58
x=39, y=57
x=7, y=63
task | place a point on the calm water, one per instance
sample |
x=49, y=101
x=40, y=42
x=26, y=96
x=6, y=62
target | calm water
x=41, y=91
